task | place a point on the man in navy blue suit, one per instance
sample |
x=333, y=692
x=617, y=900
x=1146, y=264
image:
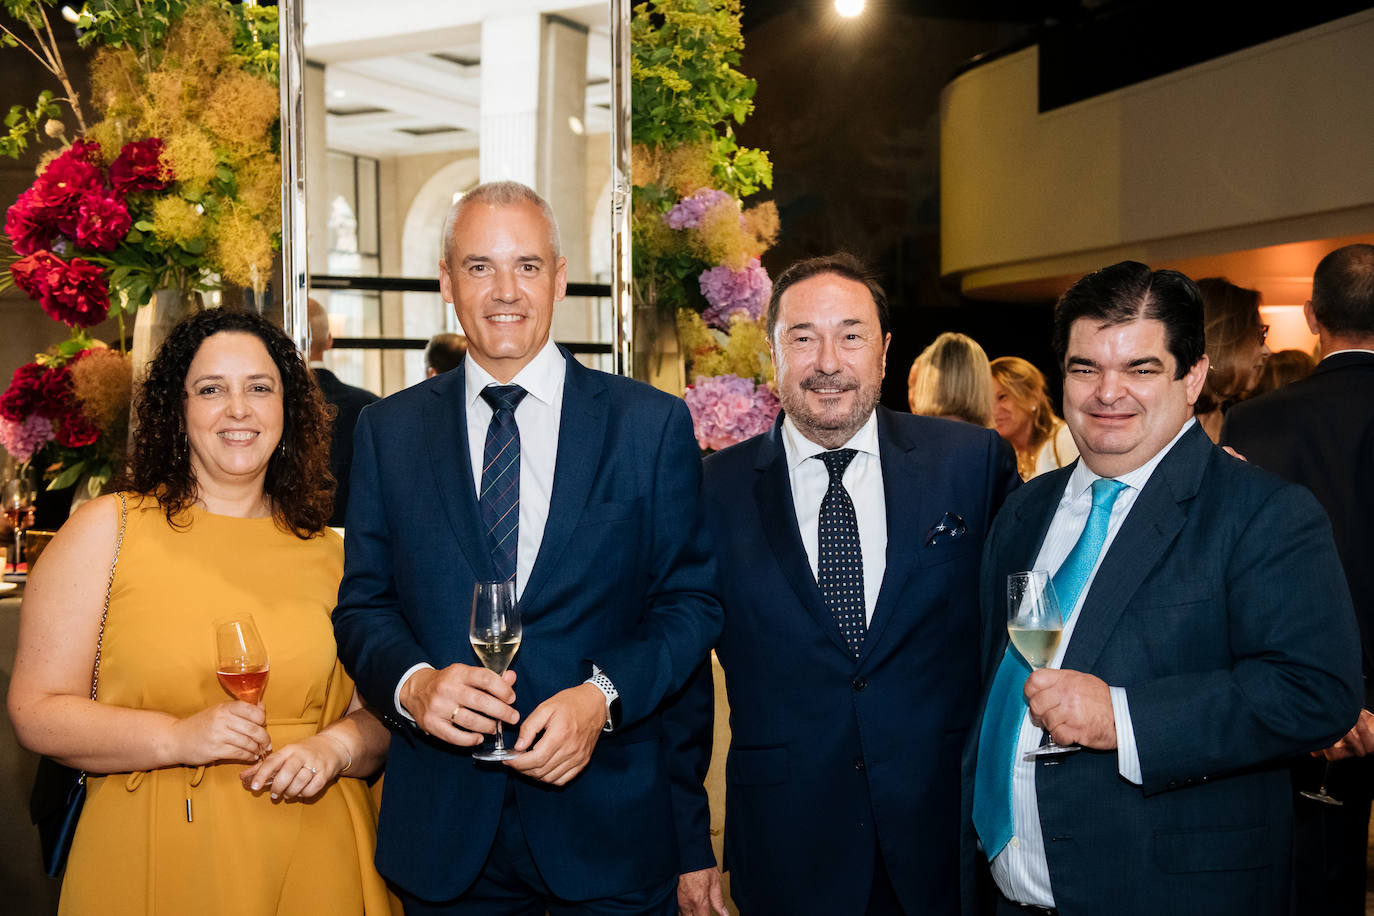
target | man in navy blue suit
x=1208, y=638
x=848, y=540
x=583, y=488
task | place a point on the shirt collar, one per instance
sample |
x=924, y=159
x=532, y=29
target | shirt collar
x=542, y=377
x=1349, y=350
x=1082, y=478
x=799, y=448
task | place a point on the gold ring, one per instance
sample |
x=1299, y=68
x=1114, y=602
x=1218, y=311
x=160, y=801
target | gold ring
x=453, y=716
x=313, y=770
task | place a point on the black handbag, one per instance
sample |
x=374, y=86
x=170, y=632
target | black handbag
x=60, y=791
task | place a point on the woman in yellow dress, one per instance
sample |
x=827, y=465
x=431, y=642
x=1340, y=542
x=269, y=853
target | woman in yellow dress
x=198, y=803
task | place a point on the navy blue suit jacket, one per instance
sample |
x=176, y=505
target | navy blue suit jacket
x=623, y=579
x=1221, y=608
x=831, y=757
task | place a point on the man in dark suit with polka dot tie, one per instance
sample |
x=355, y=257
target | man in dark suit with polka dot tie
x=848, y=540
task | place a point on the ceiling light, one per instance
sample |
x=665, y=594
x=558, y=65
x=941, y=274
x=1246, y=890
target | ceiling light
x=849, y=8
x=70, y=15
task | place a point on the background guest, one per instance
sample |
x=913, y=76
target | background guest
x=1024, y=416
x=347, y=400
x=1283, y=368
x=444, y=351
x=1235, y=348
x=950, y=379
x=227, y=499
x=1319, y=432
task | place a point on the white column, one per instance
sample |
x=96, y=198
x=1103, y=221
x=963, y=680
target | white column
x=510, y=98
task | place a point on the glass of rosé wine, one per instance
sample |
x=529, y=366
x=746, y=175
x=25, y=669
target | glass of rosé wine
x=240, y=657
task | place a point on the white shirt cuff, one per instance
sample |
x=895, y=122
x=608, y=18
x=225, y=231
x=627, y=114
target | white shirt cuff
x=396, y=699
x=602, y=682
x=1127, y=756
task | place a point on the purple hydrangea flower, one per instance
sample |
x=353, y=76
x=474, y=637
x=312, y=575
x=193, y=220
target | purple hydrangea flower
x=727, y=409
x=733, y=292
x=23, y=438
x=687, y=213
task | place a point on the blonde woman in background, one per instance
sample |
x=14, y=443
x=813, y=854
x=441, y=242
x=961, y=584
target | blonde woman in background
x=1235, y=348
x=1023, y=415
x=950, y=379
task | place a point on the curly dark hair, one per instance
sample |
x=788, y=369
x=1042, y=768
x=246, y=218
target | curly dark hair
x=298, y=480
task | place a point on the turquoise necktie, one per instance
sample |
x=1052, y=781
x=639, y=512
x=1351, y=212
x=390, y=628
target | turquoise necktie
x=1006, y=706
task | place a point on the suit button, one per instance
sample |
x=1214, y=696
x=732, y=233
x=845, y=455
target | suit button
x=859, y=683
x=858, y=763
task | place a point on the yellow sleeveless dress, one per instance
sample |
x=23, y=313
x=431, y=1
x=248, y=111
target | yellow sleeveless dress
x=135, y=850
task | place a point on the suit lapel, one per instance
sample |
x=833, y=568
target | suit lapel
x=906, y=498
x=1152, y=525
x=778, y=516
x=581, y=440
x=446, y=429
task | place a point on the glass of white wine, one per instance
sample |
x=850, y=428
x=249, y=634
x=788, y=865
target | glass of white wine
x=495, y=637
x=1035, y=625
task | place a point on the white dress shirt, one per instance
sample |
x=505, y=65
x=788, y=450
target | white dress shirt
x=864, y=481
x=537, y=416
x=1020, y=869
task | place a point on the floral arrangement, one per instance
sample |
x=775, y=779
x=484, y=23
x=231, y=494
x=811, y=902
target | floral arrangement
x=696, y=246
x=176, y=186
x=74, y=407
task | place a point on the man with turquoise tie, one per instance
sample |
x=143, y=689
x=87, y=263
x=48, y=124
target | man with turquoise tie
x=1208, y=635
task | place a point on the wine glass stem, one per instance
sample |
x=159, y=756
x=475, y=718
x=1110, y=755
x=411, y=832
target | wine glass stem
x=500, y=744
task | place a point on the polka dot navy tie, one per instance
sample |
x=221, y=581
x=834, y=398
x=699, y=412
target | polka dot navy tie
x=840, y=572
x=499, y=499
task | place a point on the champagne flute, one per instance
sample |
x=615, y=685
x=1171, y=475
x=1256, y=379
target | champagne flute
x=495, y=637
x=1035, y=626
x=1321, y=795
x=240, y=657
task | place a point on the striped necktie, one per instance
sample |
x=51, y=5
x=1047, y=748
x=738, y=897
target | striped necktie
x=499, y=499
x=1006, y=707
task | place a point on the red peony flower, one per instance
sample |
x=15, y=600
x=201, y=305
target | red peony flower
x=26, y=230
x=102, y=222
x=57, y=194
x=139, y=167
x=75, y=430
x=37, y=273
x=79, y=298
x=23, y=393
x=54, y=397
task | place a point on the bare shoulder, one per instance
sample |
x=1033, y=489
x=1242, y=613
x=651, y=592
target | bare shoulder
x=88, y=534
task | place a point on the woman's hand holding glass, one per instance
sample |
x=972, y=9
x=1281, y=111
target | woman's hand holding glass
x=234, y=731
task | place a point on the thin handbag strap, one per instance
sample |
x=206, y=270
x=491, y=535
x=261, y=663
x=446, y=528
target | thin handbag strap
x=109, y=585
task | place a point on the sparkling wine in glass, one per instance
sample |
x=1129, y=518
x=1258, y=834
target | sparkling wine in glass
x=495, y=637
x=240, y=657
x=1035, y=625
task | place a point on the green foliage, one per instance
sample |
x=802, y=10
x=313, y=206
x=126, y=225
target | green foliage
x=22, y=122
x=682, y=70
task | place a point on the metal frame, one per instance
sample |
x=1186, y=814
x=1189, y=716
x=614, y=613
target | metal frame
x=621, y=187
x=294, y=269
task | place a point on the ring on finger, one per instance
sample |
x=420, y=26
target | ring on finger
x=453, y=716
x=314, y=770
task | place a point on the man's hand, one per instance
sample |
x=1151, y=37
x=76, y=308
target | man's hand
x=699, y=893
x=1075, y=708
x=571, y=721
x=1358, y=742
x=459, y=704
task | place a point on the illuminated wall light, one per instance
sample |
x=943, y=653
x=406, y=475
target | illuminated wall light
x=575, y=125
x=1287, y=328
x=849, y=8
x=70, y=15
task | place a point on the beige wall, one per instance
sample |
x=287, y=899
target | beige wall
x=1266, y=146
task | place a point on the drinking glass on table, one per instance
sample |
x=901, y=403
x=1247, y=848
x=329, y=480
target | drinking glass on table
x=17, y=496
x=1035, y=625
x=495, y=637
x=240, y=657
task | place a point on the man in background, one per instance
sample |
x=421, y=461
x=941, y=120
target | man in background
x=444, y=351
x=1319, y=432
x=348, y=401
